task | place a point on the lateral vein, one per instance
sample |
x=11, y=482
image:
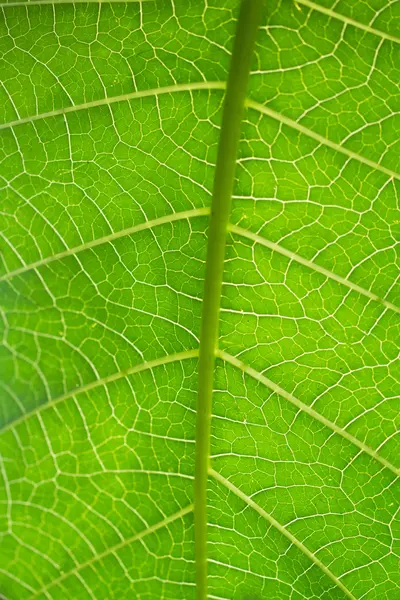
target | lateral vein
x=153, y=528
x=307, y=409
x=319, y=138
x=282, y=529
x=187, y=214
x=169, y=89
x=347, y=20
x=165, y=360
x=55, y=2
x=311, y=265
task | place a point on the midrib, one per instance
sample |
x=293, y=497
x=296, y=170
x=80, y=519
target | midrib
x=234, y=104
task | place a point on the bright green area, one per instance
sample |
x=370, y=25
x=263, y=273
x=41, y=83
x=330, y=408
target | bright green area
x=97, y=452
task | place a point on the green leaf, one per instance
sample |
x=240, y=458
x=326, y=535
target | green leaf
x=111, y=118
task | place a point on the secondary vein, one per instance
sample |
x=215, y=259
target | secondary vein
x=152, y=364
x=288, y=535
x=307, y=409
x=56, y=2
x=312, y=265
x=348, y=20
x=320, y=138
x=180, y=514
x=171, y=218
x=169, y=89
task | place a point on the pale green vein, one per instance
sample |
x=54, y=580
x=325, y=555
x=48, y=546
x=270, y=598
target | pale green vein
x=56, y=2
x=307, y=409
x=113, y=549
x=319, y=138
x=187, y=214
x=14, y=578
x=169, y=89
x=152, y=364
x=205, y=85
x=317, y=7
x=198, y=212
x=348, y=20
x=312, y=265
x=282, y=529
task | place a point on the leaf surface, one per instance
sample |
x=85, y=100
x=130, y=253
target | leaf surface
x=110, y=121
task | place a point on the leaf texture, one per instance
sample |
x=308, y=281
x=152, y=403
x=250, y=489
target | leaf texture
x=110, y=121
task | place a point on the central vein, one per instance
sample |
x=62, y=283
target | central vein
x=249, y=17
